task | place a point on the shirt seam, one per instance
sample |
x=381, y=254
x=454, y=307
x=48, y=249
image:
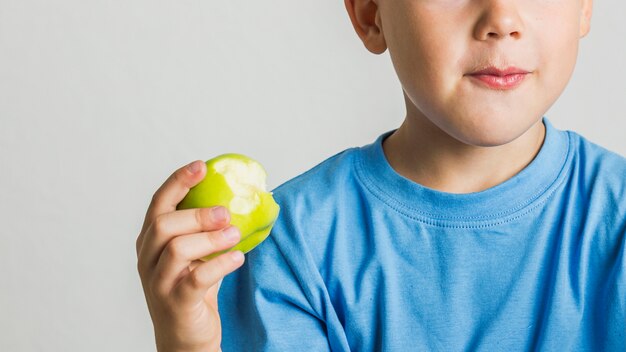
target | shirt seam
x=433, y=220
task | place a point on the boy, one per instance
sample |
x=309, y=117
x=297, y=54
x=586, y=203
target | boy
x=475, y=226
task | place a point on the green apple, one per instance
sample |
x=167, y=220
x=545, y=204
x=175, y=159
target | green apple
x=237, y=182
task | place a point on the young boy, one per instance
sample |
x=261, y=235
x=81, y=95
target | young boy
x=475, y=226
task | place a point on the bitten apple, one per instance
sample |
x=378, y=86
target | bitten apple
x=238, y=183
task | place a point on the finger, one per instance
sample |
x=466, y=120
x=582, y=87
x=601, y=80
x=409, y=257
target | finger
x=182, y=222
x=183, y=250
x=213, y=291
x=194, y=286
x=171, y=192
x=175, y=188
x=195, y=264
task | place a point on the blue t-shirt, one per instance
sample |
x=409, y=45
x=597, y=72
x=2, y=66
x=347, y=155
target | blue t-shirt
x=363, y=259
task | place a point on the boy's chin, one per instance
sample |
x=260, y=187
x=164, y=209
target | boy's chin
x=488, y=141
x=490, y=135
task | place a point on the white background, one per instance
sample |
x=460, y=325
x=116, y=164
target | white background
x=101, y=100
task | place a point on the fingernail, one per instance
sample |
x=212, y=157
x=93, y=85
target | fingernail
x=231, y=234
x=218, y=213
x=194, y=167
x=236, y=256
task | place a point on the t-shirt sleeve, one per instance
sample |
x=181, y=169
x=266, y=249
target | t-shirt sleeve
x=264, y=307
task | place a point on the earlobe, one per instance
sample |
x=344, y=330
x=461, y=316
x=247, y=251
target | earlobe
x=365, y=18
x=585, y=17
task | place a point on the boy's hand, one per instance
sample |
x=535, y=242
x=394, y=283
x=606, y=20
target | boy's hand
x=180, y=289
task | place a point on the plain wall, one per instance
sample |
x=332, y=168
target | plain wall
x=101, y=100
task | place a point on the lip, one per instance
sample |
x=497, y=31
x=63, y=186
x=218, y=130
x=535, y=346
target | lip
x=500, y=79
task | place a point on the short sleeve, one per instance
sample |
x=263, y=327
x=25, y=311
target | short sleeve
x=264, y=307
x=279, y=300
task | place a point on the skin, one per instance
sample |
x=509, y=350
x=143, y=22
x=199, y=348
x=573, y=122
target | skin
x=180, y=289
x=459, y=136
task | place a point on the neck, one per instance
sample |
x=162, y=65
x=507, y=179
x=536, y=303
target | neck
x=425, y=154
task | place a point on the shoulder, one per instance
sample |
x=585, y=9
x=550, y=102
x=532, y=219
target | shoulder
x=599, y=173
x=596, y=154
x=598, y=163
x=332, y=171
x=319, y=187
x=311, y=204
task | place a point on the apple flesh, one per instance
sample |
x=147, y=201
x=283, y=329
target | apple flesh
x=237, y=182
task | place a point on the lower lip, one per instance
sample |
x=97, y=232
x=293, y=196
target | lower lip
x=501, y=82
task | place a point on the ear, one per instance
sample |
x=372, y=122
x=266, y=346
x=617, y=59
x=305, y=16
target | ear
x=365, y=17
x=585, y=17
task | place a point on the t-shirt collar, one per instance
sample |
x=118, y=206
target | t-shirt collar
x=502, y=201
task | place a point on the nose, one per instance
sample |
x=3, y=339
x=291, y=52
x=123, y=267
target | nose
x=499, y=19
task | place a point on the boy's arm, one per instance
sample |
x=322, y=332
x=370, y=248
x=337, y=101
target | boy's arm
x=271, y=303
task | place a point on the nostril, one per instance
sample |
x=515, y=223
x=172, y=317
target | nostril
x=514, y=34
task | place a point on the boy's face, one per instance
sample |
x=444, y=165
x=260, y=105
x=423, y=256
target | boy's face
x=438, y=46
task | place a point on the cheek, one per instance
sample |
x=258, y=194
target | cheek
x=559, y=49
x=427, y=63
x=420, y=42
x=428, y=78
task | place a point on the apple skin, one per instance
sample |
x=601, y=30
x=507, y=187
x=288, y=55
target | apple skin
x=214, y=190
